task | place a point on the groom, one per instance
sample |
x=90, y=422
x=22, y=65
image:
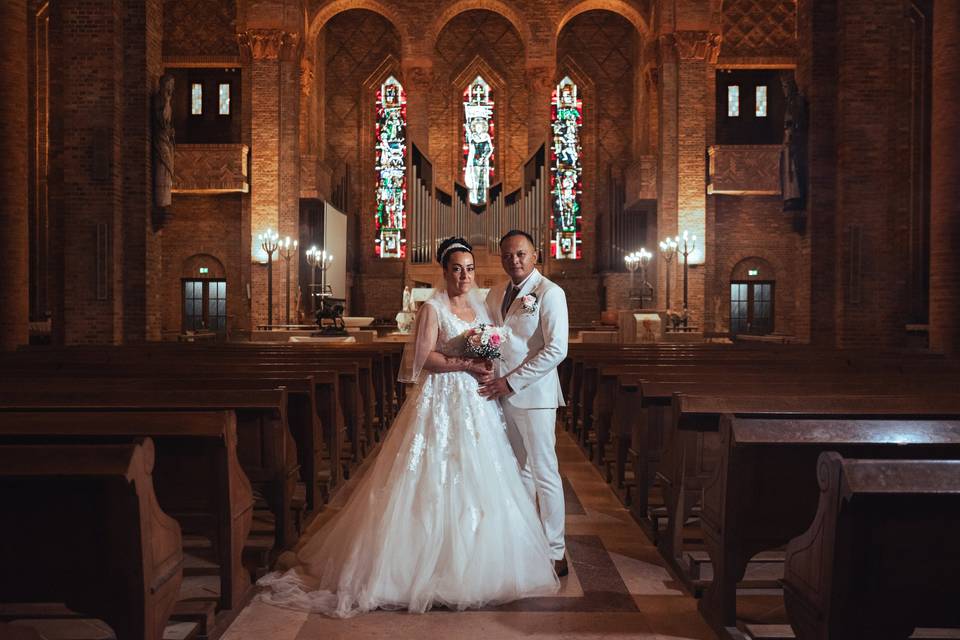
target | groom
x=535, y=311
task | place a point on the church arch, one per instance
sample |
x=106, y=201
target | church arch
x=328, y=11
x=751, y=307
x=742, y=269
x=615, y=6
x=192, y=267
x=455, y=9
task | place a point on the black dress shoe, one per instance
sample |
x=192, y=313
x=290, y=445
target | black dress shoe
x=560, y=567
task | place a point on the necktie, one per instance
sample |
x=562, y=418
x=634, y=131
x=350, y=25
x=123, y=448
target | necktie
x=508, y=299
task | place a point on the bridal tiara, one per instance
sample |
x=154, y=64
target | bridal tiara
x=453, y=247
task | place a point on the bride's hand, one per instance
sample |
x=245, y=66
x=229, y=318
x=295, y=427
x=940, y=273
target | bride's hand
x=479, y=367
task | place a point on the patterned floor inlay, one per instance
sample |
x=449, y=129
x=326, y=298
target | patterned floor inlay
x=571, y=501
x=617, y=587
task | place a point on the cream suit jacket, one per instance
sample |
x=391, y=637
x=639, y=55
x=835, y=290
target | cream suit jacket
x=536, y=344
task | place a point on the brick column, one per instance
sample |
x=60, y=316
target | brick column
x=86, y=184
x=945, y=181
x=417, y=83
x=139, y=239
x=540, y=82
x=13, y=179
x=687, y=59
x=667, y=170
x=274, y=152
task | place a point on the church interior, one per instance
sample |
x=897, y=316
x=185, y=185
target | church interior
x=221, y=217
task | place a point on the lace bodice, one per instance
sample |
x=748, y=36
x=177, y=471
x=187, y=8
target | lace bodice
x=451, y=338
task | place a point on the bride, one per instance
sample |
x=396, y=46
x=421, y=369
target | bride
x=442, y=516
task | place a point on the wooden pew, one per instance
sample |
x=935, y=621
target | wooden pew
x=303, y=409
x=685, y=461
x=266, y=449
x=764, y=492
x=881, y=556
x=198, y=477
x=82, y=526
x=334, y=401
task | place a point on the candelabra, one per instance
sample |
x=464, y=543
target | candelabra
x=688, y=247
x=269, y=242
x=668, y=249
x=634, y=260
x=288, y=249
x=318, y=259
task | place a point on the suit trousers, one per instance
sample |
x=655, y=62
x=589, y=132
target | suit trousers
x=532, y=434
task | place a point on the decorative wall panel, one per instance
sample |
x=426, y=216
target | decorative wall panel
x=211, y=168
x=744, y=169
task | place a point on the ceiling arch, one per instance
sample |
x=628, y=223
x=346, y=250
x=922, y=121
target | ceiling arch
x=620, y=7
x=325, y=14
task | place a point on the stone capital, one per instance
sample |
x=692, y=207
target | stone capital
x=306, y=76
x=418, y=75
x=540, y=78
x=690, y=45
x=268, y=44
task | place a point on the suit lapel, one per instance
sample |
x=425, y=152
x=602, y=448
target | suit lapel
x=500, y=291
x=528, y=286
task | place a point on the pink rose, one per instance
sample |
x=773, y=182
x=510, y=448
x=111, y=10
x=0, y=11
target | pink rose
x=495, y=340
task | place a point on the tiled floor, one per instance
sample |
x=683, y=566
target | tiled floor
x=617, y=588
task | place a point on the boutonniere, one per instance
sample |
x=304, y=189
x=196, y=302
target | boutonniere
x=529, y=304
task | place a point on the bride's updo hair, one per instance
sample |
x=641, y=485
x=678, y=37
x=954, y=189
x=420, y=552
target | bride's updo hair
x=451, y=246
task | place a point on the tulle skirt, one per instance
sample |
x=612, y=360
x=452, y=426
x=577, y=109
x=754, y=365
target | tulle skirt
x=441, y=518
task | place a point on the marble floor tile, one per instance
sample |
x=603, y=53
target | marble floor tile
x=260, y=621
x=618, y=586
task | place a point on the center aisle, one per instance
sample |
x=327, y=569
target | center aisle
x=617, y=587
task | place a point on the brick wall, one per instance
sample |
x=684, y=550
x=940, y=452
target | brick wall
x=13, y=181
x=755, y=227
x=200, y=27
x=945, y=218
x=208, y=225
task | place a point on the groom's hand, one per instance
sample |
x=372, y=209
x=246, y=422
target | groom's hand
x=484, y=378
x=495, y=388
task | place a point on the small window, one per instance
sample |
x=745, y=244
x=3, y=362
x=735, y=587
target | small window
x=205, y=305
x=217, y=306
x=733, y=101
x=751, y=307
x=224, y=99
x=193, y=305
x=762, y=101
x=196, y=99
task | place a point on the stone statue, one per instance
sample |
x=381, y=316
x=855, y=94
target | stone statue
x=793, y=150
x=407, y=300
x=163, y=142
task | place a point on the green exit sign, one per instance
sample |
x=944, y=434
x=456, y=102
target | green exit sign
x=204, y=270
x=750, y=272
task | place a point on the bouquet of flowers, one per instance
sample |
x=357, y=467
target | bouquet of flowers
x=484, y=340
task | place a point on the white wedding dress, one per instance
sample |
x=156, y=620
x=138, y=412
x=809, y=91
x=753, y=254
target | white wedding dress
x=441, y=517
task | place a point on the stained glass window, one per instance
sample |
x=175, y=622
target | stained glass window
x=224, y=99
x=565, y=183
x=733, y=101
x=391, y=170
x=761, y=101
x=478, y=139
x=196, y=99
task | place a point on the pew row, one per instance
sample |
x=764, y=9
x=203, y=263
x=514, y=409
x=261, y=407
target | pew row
x=266, y=449
x=881, y=556
x=763, y=491
x=197, y=474
x=99, y=540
